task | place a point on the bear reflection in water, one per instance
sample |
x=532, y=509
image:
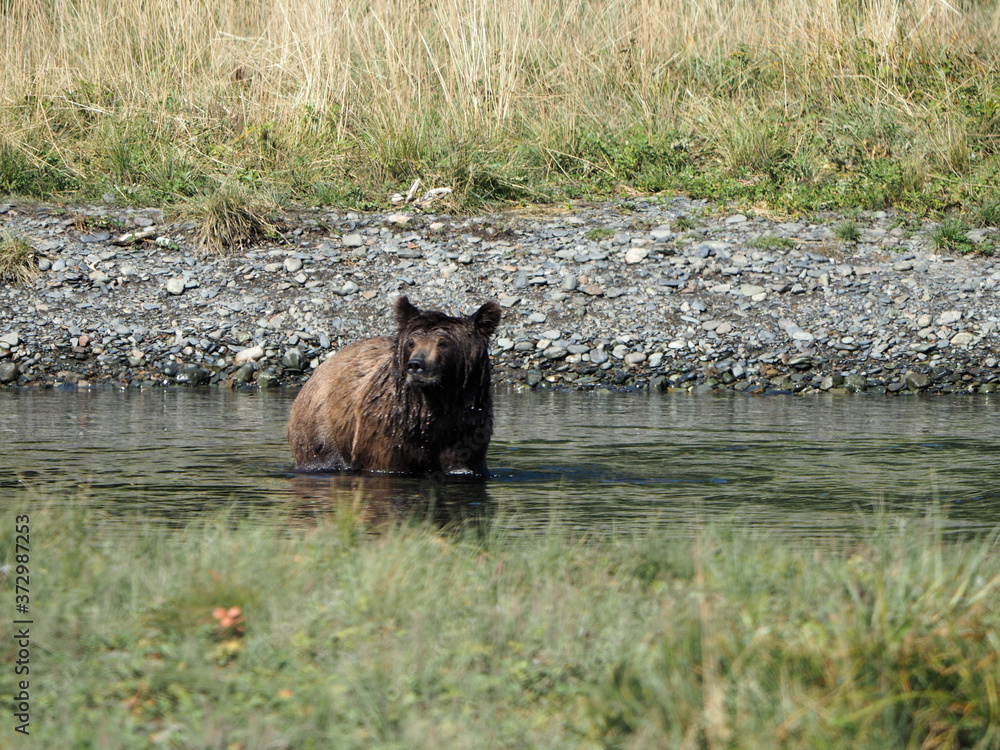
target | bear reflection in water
x=419, y=403
x=373, y=500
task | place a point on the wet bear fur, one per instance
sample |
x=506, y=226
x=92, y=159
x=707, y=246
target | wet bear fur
x=420, y=402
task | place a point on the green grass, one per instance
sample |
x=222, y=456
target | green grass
x=848, y=231
x=17, y=260
x=987, y=214
x=771, y=242
x=951, y=236
x=600, y=233
x=416, y=637
x=685, y=223
x=782, y=104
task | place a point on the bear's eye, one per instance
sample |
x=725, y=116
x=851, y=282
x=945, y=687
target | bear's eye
x=444, y=343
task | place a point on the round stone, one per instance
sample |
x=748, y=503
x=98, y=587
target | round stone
x=598, y=356
x=9, y=372
x=293, y=360
x=193, y=375
x=244, y=374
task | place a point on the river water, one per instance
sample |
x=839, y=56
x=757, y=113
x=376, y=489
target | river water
x=813, y=465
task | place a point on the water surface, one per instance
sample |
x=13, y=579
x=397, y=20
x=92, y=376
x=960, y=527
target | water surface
x=584, y=460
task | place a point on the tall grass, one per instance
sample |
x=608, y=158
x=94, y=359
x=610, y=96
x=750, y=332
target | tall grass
x=418, y=637
x=793, y=101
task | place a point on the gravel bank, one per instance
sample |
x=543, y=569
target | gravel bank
x=656, y=294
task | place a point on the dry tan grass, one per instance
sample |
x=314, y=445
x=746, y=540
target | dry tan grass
x=231, y=84
x=482, y=62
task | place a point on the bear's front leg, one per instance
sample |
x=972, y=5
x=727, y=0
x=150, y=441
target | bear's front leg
x=463, y=461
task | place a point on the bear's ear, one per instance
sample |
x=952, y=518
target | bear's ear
x=486, y=318
x=404, y=311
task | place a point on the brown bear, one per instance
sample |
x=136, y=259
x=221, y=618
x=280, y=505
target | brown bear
x=418, y=403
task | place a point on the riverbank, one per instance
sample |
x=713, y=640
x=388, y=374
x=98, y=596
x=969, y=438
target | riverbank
x=297, y=632
x=645, y=293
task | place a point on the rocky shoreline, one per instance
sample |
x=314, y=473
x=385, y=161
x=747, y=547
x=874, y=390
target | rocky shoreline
x=630, y=294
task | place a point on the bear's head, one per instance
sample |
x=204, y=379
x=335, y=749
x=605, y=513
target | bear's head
x=434, y=350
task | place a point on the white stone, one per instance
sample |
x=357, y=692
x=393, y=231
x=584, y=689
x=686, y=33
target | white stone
x=249, y=355
x=961, y=339
x=948, y=317
x=293, y=265
x=636, y=255
x=175, y=285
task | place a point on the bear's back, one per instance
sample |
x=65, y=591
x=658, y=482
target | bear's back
x=323, y=426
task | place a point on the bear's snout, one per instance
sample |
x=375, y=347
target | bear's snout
x=423, y=367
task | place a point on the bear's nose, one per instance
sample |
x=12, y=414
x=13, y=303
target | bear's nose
x=415, y=365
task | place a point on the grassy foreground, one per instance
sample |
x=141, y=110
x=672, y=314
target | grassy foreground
x=423, y=638
x=790, y=104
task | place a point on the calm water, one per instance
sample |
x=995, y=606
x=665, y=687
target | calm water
x=811, y=465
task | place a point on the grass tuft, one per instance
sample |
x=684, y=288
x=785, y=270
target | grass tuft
x=987, y=213
x=771, y=242
x=951, y=236
x=230, y=218
x=17, y=260
x=685, y=223
x=600, y=233
x=848, y=231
